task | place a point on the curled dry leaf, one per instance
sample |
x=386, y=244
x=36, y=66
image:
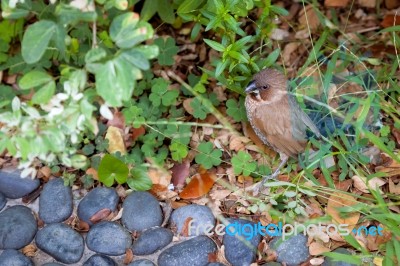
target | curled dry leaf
x=373, y=183
x=115, y=140
x=367, y=3
x=287, y=52
x=100, y=215
x=237, y=143
x=391, y=167
x=198, y=186
x=316, y=261
x=317, y=248
x=308, y=17
x=180, y=171
x=117, y=120
x=395, y=189
x=339, y=200
x=29, y=250
x=160, y=178
x=128, y=256
x=137, y=132
x=390, y=20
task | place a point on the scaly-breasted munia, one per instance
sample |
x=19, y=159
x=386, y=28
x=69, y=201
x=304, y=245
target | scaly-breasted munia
x=276, y=117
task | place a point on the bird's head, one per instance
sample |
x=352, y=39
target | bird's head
x=267, y=85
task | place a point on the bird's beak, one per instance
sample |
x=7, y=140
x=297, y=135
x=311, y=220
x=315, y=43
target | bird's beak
x=251, y=87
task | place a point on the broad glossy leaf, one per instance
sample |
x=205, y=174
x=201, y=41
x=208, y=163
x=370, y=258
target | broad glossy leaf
x=136, y=58
x=36, y=39
x=140, y=179
x=114, y=81
x=111, y=169
x=33, y=79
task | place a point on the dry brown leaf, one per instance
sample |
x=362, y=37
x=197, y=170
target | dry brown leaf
x=237, y=143
x=373, y=183
x=100, y=215
x=117, y=121
x=93, y=173
x=367, y=3
x=287, y=52
x=115, y=140
x=220, y=194
x=316, y=261
x=395, y=189
x=317, y=248
x=180, y=171
x=391, y=168
x=128, y=256
x=308, y=17
x=390, y=20
x=336, y=3
x=187, y=107
x=198, y=186
x=160, y=178
x=137, y=132
x=338, y=200
x=279, y=34
x=390, y=4
x=29, y=250
x=46, y=171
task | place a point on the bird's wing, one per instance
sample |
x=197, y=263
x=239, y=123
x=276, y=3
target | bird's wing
x=273, y=124
x=300, y=117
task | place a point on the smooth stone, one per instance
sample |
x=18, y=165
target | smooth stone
x=3, y=201
x=61, y=242
x=293, y=251
x=141, y=211
x=15, y=187
x=142, y=262
x=55, y=202
x=96, y=200
x=237, y=252
x=17, y=227
x=99, y=260
x=272, y=264
x=215, y=264
x=330, y=262
x=108, y=238
x=151, y=240
x=52, y=264
x=202, y=219
x=12, y=257
x=193, y=252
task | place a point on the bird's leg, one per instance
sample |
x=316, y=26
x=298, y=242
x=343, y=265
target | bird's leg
x=259, y=185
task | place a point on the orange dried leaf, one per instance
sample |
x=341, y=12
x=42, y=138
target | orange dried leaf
x=390, y=20
x=198, y=186
x=128, y=256
x=339, y=200
x=317, y=248
x=93, y=173
x=395, y=189
x=137, y=132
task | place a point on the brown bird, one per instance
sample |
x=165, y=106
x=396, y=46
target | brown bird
x=276, y=117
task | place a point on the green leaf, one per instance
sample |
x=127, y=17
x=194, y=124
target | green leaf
x=271, y=59
x=189, y=6
x=114, y=81
x=166, y=11
x=178, y=150
x=36, y=39
x=236, y=109
x=149, y=9
x=243, y=163
x=126, y=30
x=168, y=50
x=44, y=94
x=34, y=79
x=139, y=179
x=111, y=169
x=215, y=45
x=208, y=156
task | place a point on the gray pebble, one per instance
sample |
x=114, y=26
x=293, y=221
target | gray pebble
x=3, y=201
x=61, y=242
x=141, y=262
x=99, y=260
x=237, y=251
x=17, y=227
x=151, y=240
x=193, y=252
x=293, y=251
x=215, y=264
x=52, y=264
x=55, y=202
x=15, y=187
x=330, y=262
x=202, y=219
x=108, y=238
x=141, y=211
x=272, y=264
x=97, y=199
x=11, y=257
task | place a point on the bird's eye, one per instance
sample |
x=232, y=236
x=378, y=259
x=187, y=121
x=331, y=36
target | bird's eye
x=265, y=87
